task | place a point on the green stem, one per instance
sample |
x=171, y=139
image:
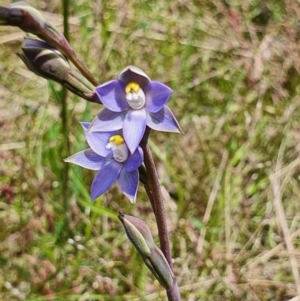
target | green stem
x=65, y=147
x=66, y=18
x=64, y=117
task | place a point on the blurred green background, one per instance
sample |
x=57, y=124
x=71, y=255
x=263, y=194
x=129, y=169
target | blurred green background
x=231, y=182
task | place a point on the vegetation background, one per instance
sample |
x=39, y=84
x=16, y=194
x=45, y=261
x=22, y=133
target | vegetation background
x=231, y=182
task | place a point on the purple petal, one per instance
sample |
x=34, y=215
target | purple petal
x=113, y=95
x=135, y=160
x=134, y=74
x=128, y=183
x=107, y=121
x=163, y=120
x=134, y=127
x=157, y=94
x=87, y=159
x=105, y=178
x=35, y=43
x=85, y=125
x=98, y=141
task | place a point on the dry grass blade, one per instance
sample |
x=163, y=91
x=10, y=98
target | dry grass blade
x=264, y=257
x=211, y=200
x=281, y=218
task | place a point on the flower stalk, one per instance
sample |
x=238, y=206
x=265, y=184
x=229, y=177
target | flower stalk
x=160, y=212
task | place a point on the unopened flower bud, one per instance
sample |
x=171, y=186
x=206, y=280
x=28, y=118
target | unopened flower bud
x=43, y=59
x=49, y=63
x=139, y=234
x=158, y=265
x=27, y=18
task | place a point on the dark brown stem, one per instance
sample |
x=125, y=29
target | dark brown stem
x=71, y=55
x=173, y=292
x=159, y=211
x=150, y=196
x=63, y=45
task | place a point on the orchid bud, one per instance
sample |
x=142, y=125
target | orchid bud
x=49, y=63
x=139, y=234
x=158, y=265
x=28, y=18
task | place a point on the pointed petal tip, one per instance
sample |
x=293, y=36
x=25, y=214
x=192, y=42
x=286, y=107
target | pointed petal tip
x=128, y=184
x=69, y=159
x=85, y=125
x=132, y=200
x=135, y=70
x=164, y=121
x=134, y=74
x=178, y=130
x=132, y=149
x=94, y=198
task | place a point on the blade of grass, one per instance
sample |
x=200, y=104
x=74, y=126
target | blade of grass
x=281, y=217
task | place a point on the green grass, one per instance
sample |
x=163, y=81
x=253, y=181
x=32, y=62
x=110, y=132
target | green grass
x=234, y=70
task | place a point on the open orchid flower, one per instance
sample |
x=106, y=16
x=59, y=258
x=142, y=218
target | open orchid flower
x=109, y=154
x=133, y=102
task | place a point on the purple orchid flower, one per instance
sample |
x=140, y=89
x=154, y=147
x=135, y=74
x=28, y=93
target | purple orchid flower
x=109, y=154
x=133, y=102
